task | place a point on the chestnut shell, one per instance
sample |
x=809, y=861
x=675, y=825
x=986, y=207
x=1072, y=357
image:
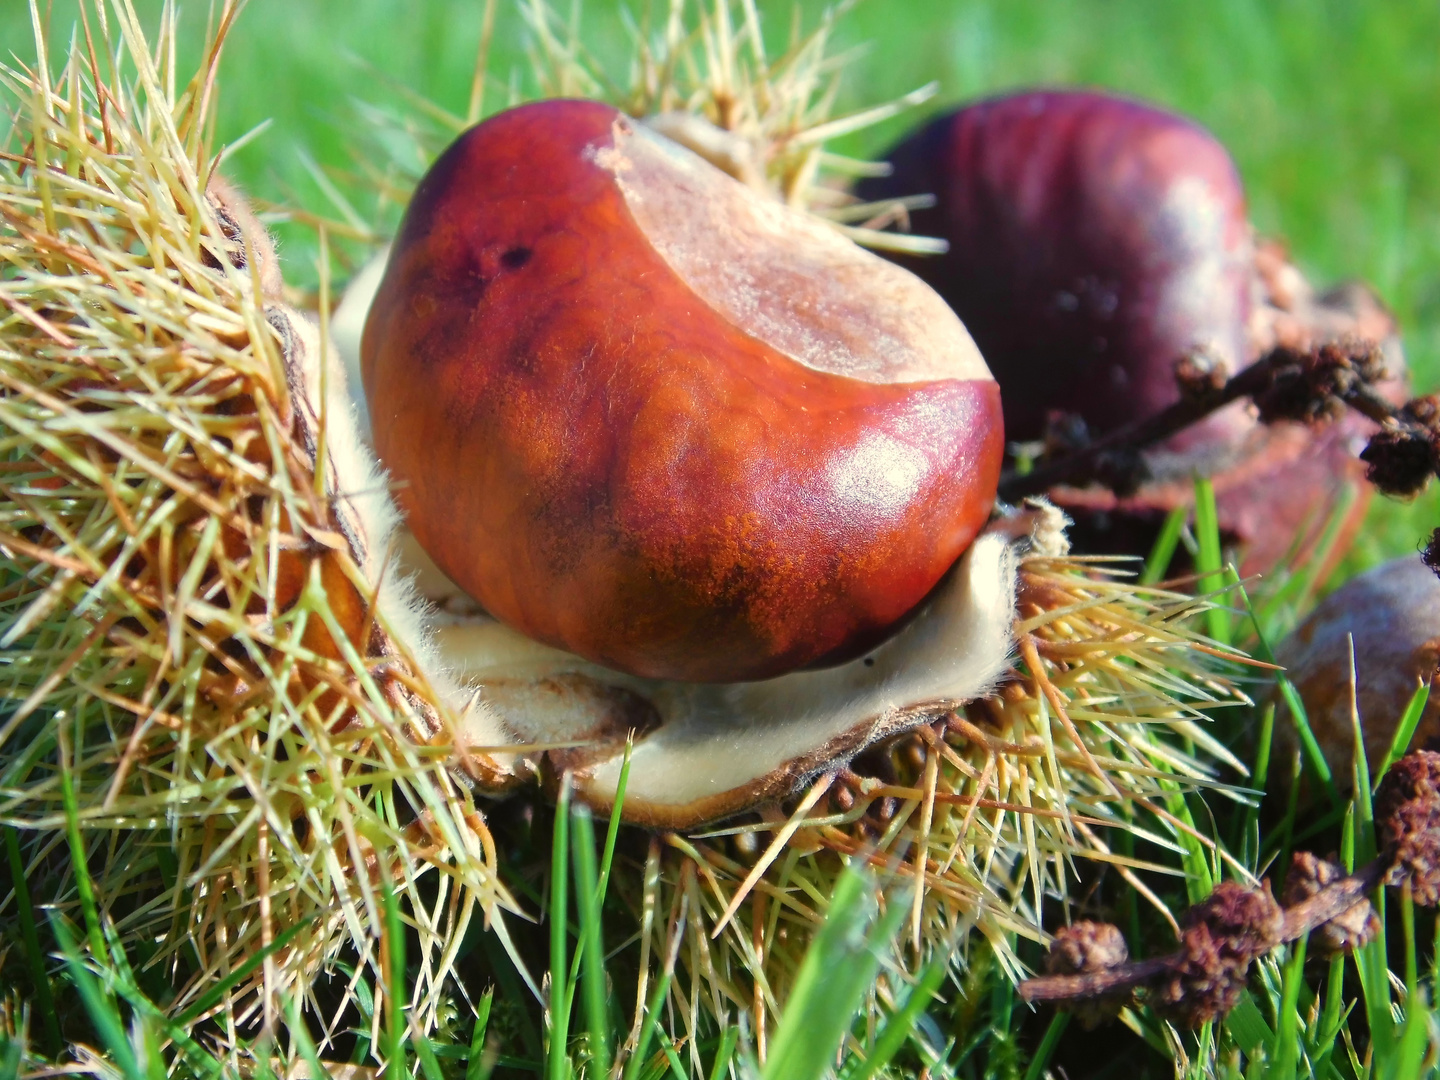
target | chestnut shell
x=608, y=461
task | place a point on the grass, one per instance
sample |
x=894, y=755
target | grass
x=1329, y=109
x=1288, y=1025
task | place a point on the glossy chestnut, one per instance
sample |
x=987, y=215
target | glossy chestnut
x=1094, y=242
x=646, y=414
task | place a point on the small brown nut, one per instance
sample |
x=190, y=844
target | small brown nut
x=1393, y=614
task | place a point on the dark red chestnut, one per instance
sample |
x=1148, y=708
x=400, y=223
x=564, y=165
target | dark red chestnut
x=1094, y=242
x=644, y=413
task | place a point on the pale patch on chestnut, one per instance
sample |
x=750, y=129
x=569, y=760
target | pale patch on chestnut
x=791, y=280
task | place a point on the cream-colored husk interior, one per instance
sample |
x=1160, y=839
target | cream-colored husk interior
x=713, y=749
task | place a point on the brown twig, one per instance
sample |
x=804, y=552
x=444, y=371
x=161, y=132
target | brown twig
x=1094, y=983
x=1337, y=897
x=1284, y=384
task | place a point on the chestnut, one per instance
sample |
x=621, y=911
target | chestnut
x=644, y=413
x=1094, y=242
x=1392, y=613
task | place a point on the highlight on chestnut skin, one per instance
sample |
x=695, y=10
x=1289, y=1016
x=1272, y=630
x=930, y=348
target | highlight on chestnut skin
x=644, y=413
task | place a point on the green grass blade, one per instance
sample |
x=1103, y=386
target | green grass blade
x=10, y=1054
x=1286, y=1048
x=429, y=1063
x=1314, y=756
x=611, y=836
x=99, y=1004
x=1199, y=883
x=1331, y=1017
x=668, y=1045
x=1298, y=715
x=1208, y=558
x=556, y=1059
x=647, y=1026
x=588, y=907
x=30, y=937
x=612, y=832
x=1374, y=973
x=897, y=1027
x=1406, y=1053
x=395, y=1024
x=729, y=1039
x=1247, y=1025
x=1157, y=565
x=84, y=885
x=838, y=969
x=1405, y=731
x=1259, y=779
x=1046, y=1049
x=1364, y=812
x=475, y=1068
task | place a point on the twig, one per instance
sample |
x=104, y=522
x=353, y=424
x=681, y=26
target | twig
x=1284, y=384
x=1337, y=897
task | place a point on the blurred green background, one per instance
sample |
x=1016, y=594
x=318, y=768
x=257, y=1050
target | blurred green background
x=1331, y=107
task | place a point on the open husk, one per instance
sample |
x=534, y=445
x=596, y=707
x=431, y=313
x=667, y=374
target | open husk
x=209, y=672
x=222, y=679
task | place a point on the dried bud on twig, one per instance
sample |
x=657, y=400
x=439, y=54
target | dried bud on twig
x=1222, y=934
x=1200, y=376
x=1414, y=776
x=1400, y=461
x=1313, y=386
x=1430, y=555
x=1407, y=818
x=1412, y=850
x=1354, y=927
x=1086, y=948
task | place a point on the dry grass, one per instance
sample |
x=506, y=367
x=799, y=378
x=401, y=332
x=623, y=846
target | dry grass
x=187, y=683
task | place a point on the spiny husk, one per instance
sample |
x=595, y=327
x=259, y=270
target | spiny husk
x=699, y=71
x=199, y=671
x=988, y=815
x=708, y=81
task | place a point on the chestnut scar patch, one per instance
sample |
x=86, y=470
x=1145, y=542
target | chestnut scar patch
x=789, y=279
